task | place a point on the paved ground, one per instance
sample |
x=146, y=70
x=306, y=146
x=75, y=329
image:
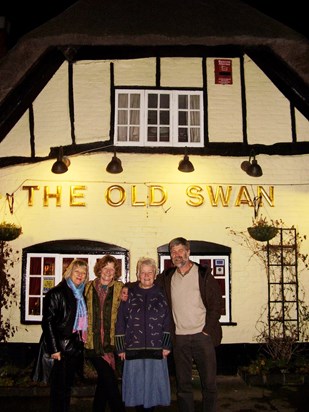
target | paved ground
x=234, y=396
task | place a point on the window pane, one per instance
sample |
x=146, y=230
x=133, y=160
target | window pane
x=35, y=286
x=164, y=134
x=152, y=134
x=134, y=117
x=152, y=117
x=183, y=118
x=194, y=135
x=49, y=266
x=135, y=100
x=123, y=100
x=153, y=100
x=134, y=134
x=35, y=266
x=164, y=117
x=182, y=101
x=122, y=134
x=34, y=306
x=164, y=101
x=182, y=134
x=194, y=102
x=122, y=117
x=194, y=118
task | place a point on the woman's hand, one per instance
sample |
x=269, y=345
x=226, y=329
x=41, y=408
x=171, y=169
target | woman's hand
x=122, y=355
x=56, y=356
x=165, y=353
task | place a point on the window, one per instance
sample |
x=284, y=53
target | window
x=211, y=256
x=159, y=118
x=43, y=270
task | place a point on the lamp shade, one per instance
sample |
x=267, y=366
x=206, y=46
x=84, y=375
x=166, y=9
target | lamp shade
x=114, y=165
x=61, y=165
x=185, y=165
x=251, y=167
x=245, y=165
x=254, y=169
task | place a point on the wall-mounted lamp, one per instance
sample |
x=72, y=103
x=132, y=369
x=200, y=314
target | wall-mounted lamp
x=251, y=167
x=114, y=165
x=185, y=165
x=62, y=163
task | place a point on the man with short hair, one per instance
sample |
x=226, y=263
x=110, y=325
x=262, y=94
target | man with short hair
x=195, y=299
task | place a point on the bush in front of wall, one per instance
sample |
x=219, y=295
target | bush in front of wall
x=8, y=296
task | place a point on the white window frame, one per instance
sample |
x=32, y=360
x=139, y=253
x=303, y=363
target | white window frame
x=224, y=263
x=56, y=277
x=173, y=126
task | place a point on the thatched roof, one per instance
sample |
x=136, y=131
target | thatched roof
x=157, y=23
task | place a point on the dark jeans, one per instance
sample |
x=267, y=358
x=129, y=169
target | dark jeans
x=107, y=390
x=200, y=349
x=61, y=382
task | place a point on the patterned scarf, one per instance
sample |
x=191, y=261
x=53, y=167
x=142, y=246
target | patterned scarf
x=81, y=318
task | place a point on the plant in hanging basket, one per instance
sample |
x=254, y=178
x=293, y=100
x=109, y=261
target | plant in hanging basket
x=262, y=231
x=9, y=231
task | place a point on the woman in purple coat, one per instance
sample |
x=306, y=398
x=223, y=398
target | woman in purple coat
x=143, y=341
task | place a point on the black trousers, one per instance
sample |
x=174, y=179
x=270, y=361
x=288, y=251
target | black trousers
x=107, y=391
x=61, y=382
x=199, y=348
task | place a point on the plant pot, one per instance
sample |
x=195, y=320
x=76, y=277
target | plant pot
x=9, y=231
x=262, y=233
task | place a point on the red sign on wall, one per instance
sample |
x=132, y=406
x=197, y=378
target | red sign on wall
x=223, y=71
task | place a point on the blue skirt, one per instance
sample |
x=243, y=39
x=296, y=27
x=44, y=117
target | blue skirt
x=146, y=382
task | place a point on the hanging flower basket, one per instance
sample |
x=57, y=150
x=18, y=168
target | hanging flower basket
x=262, y=233
x=9, y=231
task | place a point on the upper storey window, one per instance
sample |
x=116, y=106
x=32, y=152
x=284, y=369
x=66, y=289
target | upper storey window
x=159, y=118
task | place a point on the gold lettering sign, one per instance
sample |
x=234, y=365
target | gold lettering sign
x=121, y=194
x=48, y=195
x=225, y=198
x=31, y=190
x=135, y=202
x=116, y=195
x=74, y=194
x=152, y=191
x=261, y=193
x=193, y=192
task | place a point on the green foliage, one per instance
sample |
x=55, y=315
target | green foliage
x=9, y=231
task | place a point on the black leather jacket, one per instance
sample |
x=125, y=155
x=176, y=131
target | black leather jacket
x=59, y=310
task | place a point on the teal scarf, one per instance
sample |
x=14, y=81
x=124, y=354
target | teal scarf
x=81, y=317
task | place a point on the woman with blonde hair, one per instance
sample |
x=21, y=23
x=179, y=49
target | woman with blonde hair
x=64, y=325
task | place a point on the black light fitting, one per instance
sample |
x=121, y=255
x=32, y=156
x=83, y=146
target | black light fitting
x=114, y=165
x=251, y=167
x=185, y=165
x=62, y=163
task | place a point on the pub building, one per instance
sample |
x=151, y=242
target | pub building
x=123, y=127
